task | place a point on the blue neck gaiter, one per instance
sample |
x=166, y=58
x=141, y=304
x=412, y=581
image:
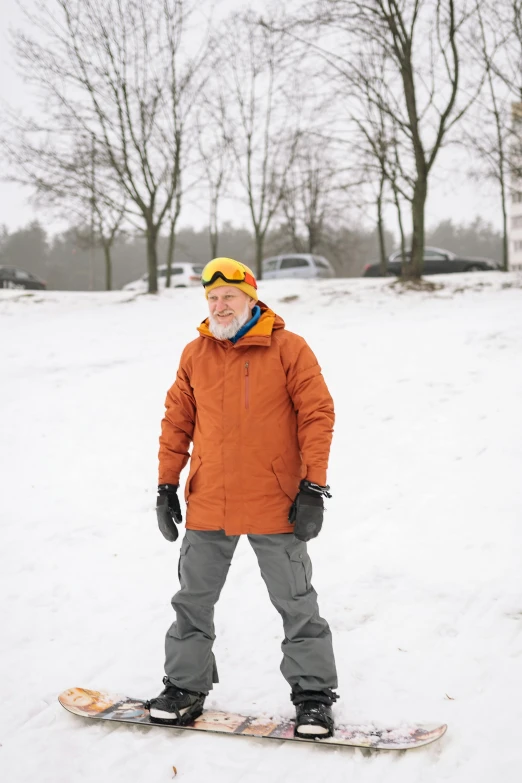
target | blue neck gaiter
x=256, y=314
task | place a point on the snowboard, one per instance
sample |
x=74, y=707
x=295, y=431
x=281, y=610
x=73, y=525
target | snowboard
x=101, y=705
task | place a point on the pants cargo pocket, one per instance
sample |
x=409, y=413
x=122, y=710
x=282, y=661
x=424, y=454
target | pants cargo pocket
x=185, y=546
x=301, y=569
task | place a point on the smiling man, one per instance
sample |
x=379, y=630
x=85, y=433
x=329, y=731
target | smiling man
x=250, y=397
x=230, y=309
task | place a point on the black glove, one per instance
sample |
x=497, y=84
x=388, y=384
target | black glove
x=168, y=510
x=306, y=512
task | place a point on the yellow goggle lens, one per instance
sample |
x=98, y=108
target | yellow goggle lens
x=230, y=269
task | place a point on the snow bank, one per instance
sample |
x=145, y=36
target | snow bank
x=417, y=570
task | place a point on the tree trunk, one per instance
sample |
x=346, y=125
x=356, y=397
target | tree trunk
x=170, y=253
x=152, y=257
x=412, y=267
x=108, y=266
x=399, y=221
x=214, y=240
x=260, y=242
x=172, y=236
x=292, y=226
x=213, y=233
x=297, y=245
x=380, y=231
x=503, y=199
x=505, y=243
x=314, y=232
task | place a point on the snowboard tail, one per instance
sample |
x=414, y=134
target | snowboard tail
x=102, y=705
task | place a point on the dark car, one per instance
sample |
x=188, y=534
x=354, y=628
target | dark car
x=10, y=277
x=436, y=262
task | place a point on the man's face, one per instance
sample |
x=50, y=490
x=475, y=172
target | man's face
x=227, y=302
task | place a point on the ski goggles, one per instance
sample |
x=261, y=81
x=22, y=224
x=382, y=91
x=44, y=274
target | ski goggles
x=228, y=270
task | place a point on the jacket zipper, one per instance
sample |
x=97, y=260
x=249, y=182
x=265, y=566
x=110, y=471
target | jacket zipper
x=247, y=387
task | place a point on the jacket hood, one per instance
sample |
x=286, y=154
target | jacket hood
x=259, y=334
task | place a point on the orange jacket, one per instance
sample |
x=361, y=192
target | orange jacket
x=260, y=417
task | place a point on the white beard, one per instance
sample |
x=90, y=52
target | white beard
x=227, y=331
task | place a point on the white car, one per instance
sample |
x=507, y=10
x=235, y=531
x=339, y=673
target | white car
x=182, y=276
x=302, y=265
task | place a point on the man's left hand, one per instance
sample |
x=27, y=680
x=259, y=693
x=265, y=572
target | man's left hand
x=306, y=512
x=168, y=511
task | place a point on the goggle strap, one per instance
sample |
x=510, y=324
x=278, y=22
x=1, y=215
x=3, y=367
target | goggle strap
x=248, y=279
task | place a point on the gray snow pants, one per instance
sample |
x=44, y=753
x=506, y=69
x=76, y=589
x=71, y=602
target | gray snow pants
x=205, y=557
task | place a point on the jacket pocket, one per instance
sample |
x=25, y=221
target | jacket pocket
x=288, y=483
x=195, y=464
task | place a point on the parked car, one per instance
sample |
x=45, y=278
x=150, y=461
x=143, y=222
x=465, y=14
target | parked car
x=303, y=265
x=10, y=277
x=436, y=262
x=182, y=276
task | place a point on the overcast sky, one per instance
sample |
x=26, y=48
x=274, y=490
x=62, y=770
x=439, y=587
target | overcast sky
x=452, y=194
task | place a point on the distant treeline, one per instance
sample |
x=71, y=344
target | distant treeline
x=67, y=262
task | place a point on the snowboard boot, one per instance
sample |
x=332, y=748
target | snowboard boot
x=176, y=706
x=314, y=719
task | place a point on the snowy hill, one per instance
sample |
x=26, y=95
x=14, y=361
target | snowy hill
x=418, y=568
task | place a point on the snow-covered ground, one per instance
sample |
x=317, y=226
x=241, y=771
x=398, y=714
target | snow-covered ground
x=418, y=568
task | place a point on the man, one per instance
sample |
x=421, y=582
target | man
x=250, y=397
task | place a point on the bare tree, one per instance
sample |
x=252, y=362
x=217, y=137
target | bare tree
x=422, y=42
x=314, y=196
x=100, y=204
x=495, y=129
x=118, y=71
x=510, y=14
x=262, y=119
x=367, y=158
x=215, y=152
x=72, y=183
x=394, y=26
x=490, y=133
x=508, y=69
x=376, y=138
x=174, y=213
